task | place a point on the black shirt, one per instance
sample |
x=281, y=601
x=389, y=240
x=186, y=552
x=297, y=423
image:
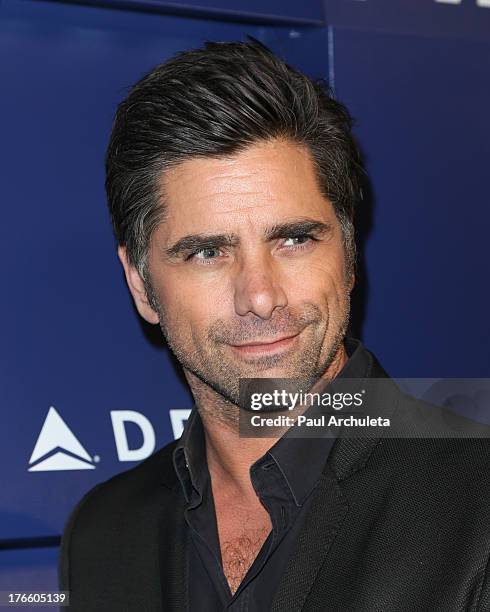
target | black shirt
x=284, y=479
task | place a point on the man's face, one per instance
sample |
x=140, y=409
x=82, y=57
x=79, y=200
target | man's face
x=250, y=251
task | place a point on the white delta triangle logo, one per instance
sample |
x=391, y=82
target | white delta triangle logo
x=56, y=436
x=57, y=447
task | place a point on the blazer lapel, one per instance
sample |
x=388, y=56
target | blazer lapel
x=323, y=522
x=329, y=508
x=173, y=553
x=172, y=538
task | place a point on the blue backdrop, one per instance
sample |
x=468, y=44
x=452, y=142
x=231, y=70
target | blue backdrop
x=87, y=388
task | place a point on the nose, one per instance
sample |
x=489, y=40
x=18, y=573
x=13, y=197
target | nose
x=258, y=288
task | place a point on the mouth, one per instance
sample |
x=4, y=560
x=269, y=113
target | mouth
x=262, y=347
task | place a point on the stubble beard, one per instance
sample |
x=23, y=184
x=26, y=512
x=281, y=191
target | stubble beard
x=214, y=377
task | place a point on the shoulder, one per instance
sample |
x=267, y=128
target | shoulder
x=436, y=439
x=109, y=507
x=133, y=483
x=457, y=457
x=440, y=469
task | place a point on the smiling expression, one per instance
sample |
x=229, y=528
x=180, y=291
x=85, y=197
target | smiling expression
x=248, y=269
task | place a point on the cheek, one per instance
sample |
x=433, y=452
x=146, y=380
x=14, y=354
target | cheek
x=324, y=278
x=190, y=306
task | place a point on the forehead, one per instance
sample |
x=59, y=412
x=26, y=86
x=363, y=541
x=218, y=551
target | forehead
x=267, y=182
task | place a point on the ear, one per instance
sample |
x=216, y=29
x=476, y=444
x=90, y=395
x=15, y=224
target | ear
x=137, y=288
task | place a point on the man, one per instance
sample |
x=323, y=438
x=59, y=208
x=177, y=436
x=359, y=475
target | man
x=232, y=181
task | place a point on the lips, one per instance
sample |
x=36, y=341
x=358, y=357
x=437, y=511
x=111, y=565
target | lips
x=261, y=348
x=264, y=342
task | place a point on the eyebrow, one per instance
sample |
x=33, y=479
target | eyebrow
x=297, y=228
x=291, y=229
x=196, y=242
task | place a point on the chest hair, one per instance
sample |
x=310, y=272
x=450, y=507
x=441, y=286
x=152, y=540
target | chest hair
x=239, y=552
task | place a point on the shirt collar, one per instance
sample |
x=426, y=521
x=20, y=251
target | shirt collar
x=301, y=460
x=189, y=457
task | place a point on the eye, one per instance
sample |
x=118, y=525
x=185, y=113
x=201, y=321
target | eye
x=299, y=241
x=205, y=254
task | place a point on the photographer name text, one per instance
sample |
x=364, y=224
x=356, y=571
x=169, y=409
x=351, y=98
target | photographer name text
x=321, y=421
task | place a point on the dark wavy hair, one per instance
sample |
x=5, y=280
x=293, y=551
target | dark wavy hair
x=216, y=101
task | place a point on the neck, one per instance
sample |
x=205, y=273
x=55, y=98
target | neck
x=230, y=456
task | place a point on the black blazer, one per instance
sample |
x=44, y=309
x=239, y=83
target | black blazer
x=398, y=525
